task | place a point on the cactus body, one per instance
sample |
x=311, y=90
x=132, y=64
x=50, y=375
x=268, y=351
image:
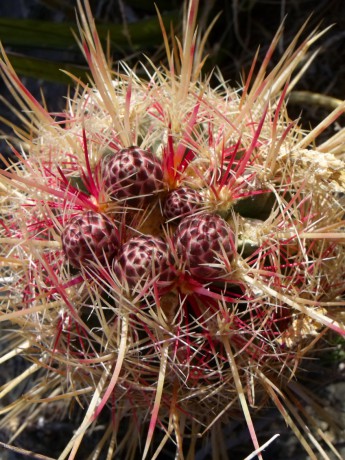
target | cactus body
x=224, y=270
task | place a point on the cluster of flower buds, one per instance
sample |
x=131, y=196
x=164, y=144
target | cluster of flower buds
x=133, y=177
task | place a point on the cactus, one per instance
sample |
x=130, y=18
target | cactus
x=213, y=265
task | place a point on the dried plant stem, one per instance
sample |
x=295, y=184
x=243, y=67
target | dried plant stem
x=314, y=99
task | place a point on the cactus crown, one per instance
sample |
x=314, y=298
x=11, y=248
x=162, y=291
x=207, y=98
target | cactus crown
x=174, y=251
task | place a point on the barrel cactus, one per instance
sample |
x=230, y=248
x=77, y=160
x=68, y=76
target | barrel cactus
x=211, y=255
